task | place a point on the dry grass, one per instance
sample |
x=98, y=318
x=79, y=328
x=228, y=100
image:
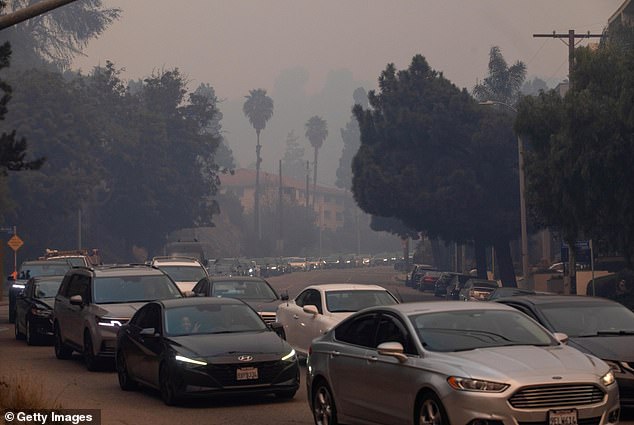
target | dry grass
x=25, y=393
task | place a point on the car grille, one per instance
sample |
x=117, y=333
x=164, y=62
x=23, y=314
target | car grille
x=268, y=317
x=556, y=396
x=586, y=421
x=225, y=374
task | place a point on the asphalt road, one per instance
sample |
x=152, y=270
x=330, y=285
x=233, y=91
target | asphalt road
x=69, y=384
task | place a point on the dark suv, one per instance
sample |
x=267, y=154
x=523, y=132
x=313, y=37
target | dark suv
x=93, y=302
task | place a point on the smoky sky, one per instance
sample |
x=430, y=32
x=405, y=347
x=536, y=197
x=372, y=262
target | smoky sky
x=311, y=55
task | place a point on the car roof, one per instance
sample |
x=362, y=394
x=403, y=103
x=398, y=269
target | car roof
x=236, y=279
x=345, y=287
x=43, y=262
x=193, y=301
x=441, y=306
x=176, y=261
x=557, y=299
x=122, y=270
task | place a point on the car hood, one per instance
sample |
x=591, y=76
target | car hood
x=45, y=302
x=607, y=347
x=120, y=311
x=262, y=345
x=264, y=305
x=526, y=361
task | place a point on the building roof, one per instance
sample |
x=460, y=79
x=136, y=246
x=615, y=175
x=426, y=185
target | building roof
x=627, y=9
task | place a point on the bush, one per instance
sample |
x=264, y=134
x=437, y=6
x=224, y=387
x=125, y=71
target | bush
x=24, y=393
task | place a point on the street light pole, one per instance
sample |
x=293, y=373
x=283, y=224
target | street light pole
x=520, y=153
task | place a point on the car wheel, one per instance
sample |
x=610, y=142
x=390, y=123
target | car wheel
x=12, y=314
x=31, y=339
x=62, y=351
x=285, y=395
x=90, y=359
x=125, y=380
x=169, y=393
x=430, y=411
x=18, y=335
x=324, y=410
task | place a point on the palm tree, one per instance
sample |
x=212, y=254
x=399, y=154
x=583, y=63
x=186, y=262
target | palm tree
x=503, y=83
x=258, y=108
x=316, y=133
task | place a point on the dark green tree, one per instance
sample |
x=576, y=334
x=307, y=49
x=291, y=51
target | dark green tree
x=316, y=133
x=503, y=84
x=581, y=154
x=258, y=108
x=351, y=137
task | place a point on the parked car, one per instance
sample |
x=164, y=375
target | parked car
x=444, y=280
x=477, y=289
x=92, y=303
x=183, y=270
x=428, y=280
x=225, y=349
x=454, y=363
x=34, y=309
x=29, y=269
x=418, y=270
x=455, y=286
x=319, y=307
x=504, y=292
x=255, y=291
x=594, y=325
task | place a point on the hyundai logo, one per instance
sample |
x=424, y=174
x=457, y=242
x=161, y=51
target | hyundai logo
x=245, y=358
x=557, y=377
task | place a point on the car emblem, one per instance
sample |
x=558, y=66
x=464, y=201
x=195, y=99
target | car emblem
x=245, y=358
x=557, y=377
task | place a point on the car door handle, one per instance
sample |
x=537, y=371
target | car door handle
x=372, y=359
x=334, y=354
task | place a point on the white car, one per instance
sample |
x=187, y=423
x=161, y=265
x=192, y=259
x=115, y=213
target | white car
x=318, y=308
x=185, y=271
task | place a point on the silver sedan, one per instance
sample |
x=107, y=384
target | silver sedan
x=454, y=363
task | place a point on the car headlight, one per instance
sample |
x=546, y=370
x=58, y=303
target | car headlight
x=608, y=379
x=40, y=312
x=187, y=360
x=467, y=384
x=109, y=322
x=290, y=356
x=18, y=286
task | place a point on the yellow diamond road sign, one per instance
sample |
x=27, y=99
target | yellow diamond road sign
x=15, y=242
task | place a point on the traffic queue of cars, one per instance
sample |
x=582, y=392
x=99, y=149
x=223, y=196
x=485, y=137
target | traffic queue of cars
x=370, y=358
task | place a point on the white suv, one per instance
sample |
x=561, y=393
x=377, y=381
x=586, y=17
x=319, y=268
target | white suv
x=185, y=271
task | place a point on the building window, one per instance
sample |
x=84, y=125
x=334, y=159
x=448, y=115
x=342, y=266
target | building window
x=327, y=215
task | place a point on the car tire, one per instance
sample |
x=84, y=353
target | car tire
x=285, y=395
x=90, y=359
x=167, y=386
x=31, y=338
x=429, y=410
x=126, y=382
x=18, y=335
x=12, y=313
x=324, y=409
x=62, y=351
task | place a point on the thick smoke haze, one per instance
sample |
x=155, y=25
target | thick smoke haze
x=311, y=55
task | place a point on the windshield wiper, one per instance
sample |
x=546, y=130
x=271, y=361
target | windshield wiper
x=615, y=332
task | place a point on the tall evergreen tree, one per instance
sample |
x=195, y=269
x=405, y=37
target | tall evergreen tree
x=316, y=133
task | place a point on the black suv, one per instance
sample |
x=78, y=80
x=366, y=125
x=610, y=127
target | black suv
x=93, y=302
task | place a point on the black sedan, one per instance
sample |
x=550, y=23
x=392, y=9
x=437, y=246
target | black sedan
x=255, y=291
x=594, y=325
x=201, y=347
x=34, y=309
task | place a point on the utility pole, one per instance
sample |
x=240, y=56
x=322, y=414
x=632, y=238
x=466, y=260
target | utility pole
x=31, y=11
x=570, y=281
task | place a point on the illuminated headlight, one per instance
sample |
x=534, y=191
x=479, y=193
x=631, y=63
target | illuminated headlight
x=466, y=384
x=18, y=286
x=615, y=367
x=290, y=356
x=110, y=323
x=187, y=360
x=608, y=379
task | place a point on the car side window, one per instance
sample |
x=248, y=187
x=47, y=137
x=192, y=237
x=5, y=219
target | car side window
x=313, y=297
x=78, y=285
x=149, y=317
x=391, y=329
x=201, y=286
x=524, y=310
x=359, y=331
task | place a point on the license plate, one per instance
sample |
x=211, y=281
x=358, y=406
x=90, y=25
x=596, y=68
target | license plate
x=244, y=373
x=562, y=417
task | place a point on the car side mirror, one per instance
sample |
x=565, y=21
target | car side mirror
x=278, y=328
x=76, y=300
x=284, y=296
x=561, y=337
x=393, y=349
x=189, y=294
x=311, y=309
x=148, y=332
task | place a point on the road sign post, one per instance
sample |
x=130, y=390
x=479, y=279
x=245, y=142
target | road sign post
x=15, y=243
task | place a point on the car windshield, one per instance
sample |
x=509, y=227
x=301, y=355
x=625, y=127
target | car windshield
x=355, y=300
x=471, y=329
x=120, y=289
x=243, y=289
x=46, y=288
x=212, y=319
x=54, y=269
x=191, y=273
x=588, y=319
x=74, y=261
